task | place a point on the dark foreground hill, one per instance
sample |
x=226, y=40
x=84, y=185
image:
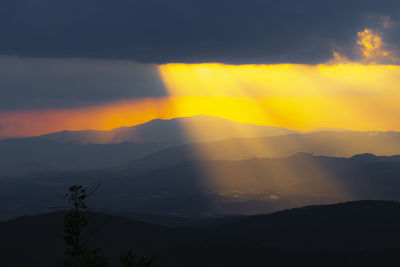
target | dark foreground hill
x=362, y=233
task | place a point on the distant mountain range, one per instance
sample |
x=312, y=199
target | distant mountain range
x=329, y=143
x=232, y=176
x=81, y=150
x=170, y=132
x=362, y=233
x=161, y=143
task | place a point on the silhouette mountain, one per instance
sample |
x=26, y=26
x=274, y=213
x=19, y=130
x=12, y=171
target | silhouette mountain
x=171, y=132
x=80, y=150
x=161, y=143
x=362, y=233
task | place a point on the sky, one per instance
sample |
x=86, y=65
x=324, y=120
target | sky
x=74, y=65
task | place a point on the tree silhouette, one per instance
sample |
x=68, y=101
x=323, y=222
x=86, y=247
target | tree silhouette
x=77, y=253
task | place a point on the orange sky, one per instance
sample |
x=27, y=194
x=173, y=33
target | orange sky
x=302, y=97
x=103, y=117
x=339, y=94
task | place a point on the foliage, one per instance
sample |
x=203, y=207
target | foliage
x=129, y=260
x=78, y=254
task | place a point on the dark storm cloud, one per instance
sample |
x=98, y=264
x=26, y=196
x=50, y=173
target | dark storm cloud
x=230, y=31
x=27, y=83
x=44, y=43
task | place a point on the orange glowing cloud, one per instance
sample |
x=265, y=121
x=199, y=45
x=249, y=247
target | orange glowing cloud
x=372, y=46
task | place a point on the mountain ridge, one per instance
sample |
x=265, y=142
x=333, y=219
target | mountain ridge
x=307, y=236
x=331, y=144
x=144, y=133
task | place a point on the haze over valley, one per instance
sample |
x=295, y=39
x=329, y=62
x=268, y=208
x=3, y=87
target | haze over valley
x=212, y=133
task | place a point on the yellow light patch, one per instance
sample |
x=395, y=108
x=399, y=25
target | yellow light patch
x=372, y=46
x=302, y=97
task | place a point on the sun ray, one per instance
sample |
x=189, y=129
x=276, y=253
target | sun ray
x=303, y=97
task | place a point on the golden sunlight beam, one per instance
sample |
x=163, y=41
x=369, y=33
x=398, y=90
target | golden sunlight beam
x=301, y=97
